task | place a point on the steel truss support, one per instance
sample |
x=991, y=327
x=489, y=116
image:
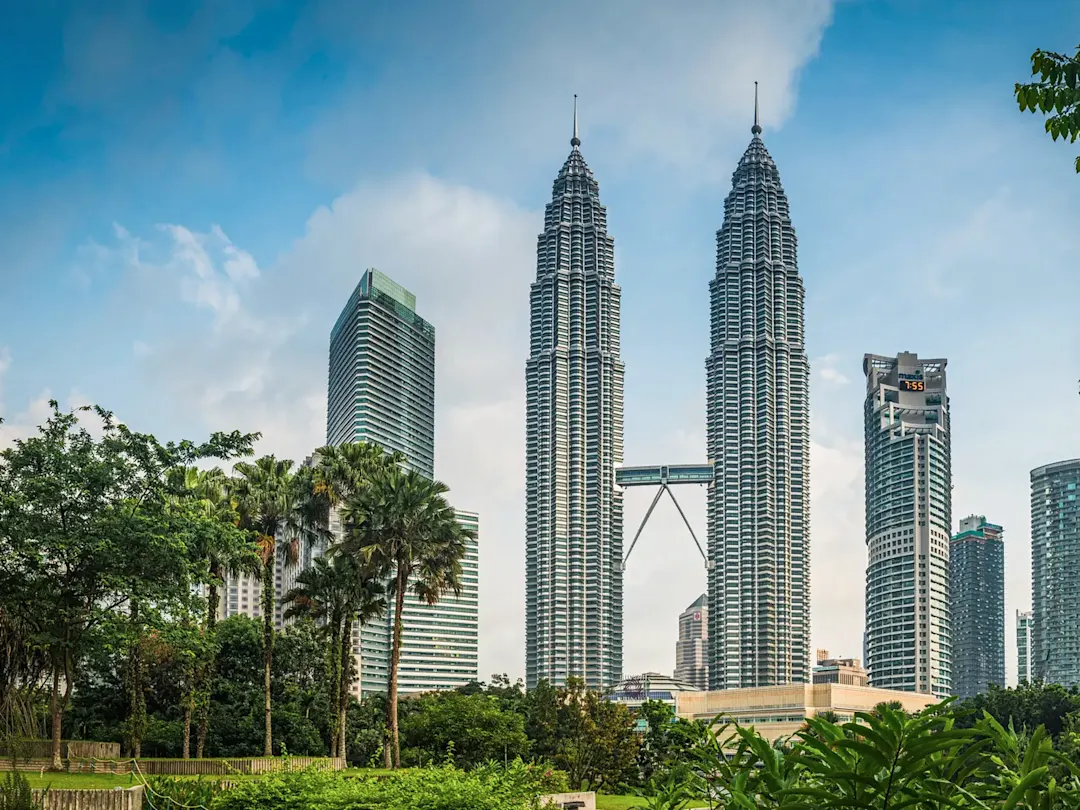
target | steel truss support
x=662, y=489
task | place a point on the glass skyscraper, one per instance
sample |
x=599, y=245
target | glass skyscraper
x=908, y=524
x=977, y=606
x=382, y=390
x=574, y=442
x=1055, y=573
x=758, y=435
x=691, y=650
x=382, y=373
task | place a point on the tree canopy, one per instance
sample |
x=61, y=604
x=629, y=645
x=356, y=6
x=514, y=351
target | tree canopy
x=1056, y=94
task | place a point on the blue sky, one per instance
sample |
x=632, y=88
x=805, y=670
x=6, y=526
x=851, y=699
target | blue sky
x=189, y=191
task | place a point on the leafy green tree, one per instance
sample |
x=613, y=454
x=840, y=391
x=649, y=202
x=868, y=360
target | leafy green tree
x=337, y=593
x=280, y=507
x=1026, y=706
x=86, y=524
x=1055, y=94
x=400, y=525
x=473, y=727
x=220, y=548
x=669, y=740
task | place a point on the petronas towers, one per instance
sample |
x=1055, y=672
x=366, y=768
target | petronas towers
x=757, y=434
x=574, y=427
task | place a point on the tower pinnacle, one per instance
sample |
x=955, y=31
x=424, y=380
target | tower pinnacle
x=756, y=128
x=575, y=141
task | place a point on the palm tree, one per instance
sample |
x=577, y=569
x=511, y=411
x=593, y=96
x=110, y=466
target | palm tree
x=224, y=550
x=337, y=593
x=401, y=525
x=281, y=508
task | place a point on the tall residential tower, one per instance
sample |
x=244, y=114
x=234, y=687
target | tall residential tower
x=574, y=442
x=758, y=436
x=1023, y=646
x=908, y=524
x=977, y=606
x=1055, y=573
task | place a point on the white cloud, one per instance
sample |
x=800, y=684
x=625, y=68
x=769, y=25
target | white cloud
x=664, y=86
x=825, y=368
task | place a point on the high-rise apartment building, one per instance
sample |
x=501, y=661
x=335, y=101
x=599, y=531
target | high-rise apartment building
x=1023, y=646
x=758, y=435
x=908, y=524
x=977, y=606
x=382, y=373
x=574, y=442
x=382, y=390
x=691, y=650
x=1055, y=573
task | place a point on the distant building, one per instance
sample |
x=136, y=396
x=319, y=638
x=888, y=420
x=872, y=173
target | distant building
x=780, y=711
x=1055, y=573
x=691, y=650
x=908, y=524
x=846, y=671
x=977, y=606
x=637, y=689
x=1023, y=646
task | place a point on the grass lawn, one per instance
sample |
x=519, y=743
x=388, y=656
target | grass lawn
x=78, y=781
x=605, y=802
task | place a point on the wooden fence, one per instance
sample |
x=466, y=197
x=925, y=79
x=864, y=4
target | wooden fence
x=42, y=749
x=184, y=767
x=119, y=799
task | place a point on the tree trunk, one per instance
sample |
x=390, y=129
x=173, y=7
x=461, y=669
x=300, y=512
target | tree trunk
x=346, y=682
x=207, y=675
x=395, y=657
x=335, y=676
x=57, y=717
x=187, y=731
x=137, y=697
x=268, y=648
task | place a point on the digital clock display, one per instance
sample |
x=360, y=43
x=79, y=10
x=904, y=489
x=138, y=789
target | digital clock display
x=912, y=385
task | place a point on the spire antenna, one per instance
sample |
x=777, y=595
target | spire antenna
x=575, y=141
x=756, y=128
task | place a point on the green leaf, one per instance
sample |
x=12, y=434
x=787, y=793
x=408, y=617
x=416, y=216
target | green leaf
x=1023, y=786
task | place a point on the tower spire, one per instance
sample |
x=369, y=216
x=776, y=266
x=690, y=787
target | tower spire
x=575, y=141
x=756, y=128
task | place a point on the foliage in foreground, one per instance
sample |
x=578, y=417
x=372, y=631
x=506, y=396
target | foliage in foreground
x=884, y=760
x=1056, y=94
x=490, y=787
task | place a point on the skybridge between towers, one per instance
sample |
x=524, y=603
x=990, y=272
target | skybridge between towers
x=664, y=477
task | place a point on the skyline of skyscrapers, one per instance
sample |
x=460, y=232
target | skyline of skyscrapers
x=758, y=438
x=908, y=482
x=574, y=441
x=1055, y=573
x=977, y=606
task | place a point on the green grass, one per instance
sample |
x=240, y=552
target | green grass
x=79, y=781
x=605, y=802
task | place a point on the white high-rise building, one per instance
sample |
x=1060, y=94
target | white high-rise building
x=908, y=524
x=574, y=442
x=758, y=434
x=1023, y=646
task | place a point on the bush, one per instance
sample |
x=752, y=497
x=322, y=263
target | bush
x=167, y=793
x=443, y=788
x=15, y=793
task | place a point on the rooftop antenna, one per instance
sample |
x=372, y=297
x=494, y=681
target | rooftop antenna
x=575, y=141
x=756, y=128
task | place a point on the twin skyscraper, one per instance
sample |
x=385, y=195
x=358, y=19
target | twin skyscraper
x=757, y=420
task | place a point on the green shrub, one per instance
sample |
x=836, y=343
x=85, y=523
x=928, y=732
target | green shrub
x=442, y=788
x=167, y=793
x=15, y=793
